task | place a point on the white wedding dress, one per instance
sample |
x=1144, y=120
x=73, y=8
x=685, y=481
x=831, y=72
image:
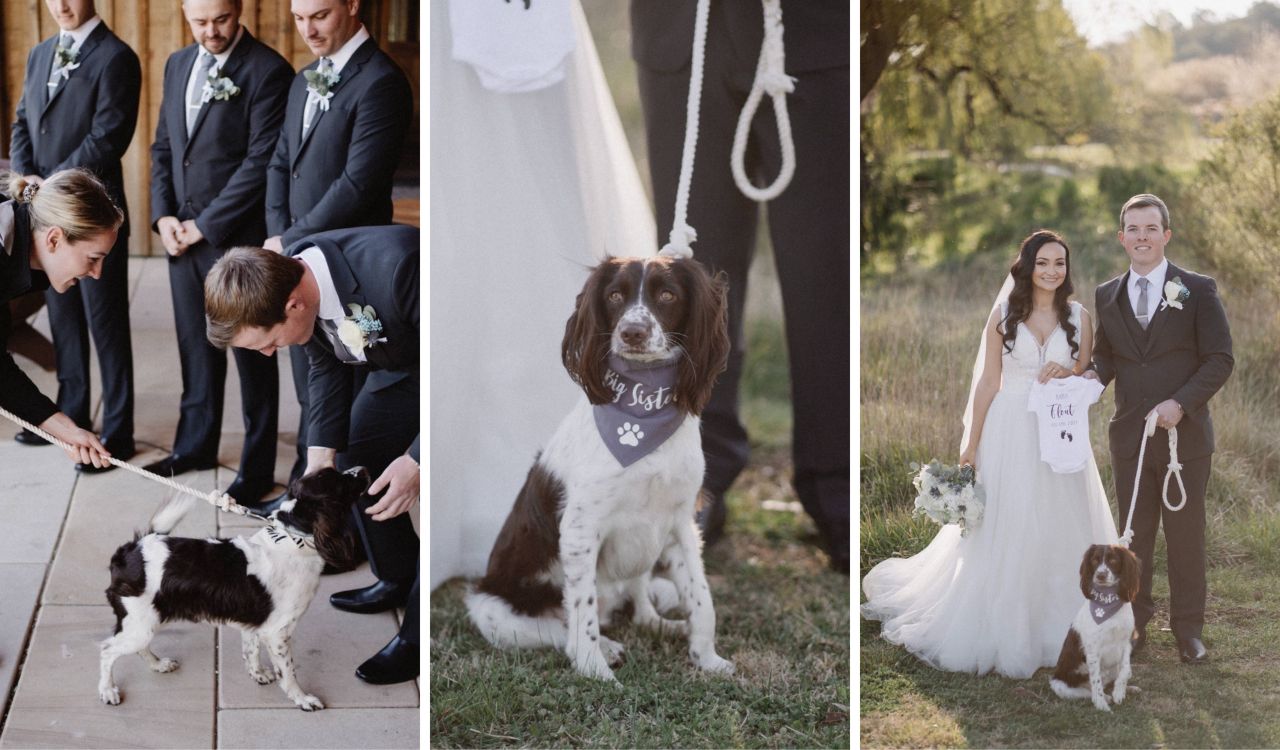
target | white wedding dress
x=532, y=183
x=1002, y=598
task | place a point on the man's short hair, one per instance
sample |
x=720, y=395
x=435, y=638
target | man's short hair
x=1146, y=200
x=247, y=287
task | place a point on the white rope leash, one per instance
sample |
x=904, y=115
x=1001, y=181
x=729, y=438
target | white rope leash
x=771, y=79
x=683, y=235
x=223, y=501
x=1174, y=471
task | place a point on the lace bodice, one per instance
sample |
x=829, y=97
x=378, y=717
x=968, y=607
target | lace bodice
x=1020, y=367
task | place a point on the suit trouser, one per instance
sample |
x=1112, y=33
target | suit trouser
x=204, y=376
x=809, y=229
x=1183, y=532
x=101, y=306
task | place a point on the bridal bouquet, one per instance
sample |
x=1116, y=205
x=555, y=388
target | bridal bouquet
x=948, y=494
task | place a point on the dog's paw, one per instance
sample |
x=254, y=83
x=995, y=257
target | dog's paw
x=612, y=651
x=1100, y=703
x=263, y=677
x=110, y=696
x=595, y=667
x=308, y=702
x=1118, y=695
x=165, y=665
x=713, y=664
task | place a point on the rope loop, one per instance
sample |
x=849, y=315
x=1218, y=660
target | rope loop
x=1174, y=472
x=771, y=79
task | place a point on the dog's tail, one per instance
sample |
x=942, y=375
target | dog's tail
x=505, y=628
x=170, y=513
x=1067, y=692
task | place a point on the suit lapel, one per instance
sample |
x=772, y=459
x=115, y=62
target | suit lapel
x=86, y=49
x=349, y=71
x=177, y=103
x=227, y=71
x=296, y=125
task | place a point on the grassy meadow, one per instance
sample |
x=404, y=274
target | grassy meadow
x=921, y=314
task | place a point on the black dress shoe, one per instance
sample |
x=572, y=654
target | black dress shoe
x=379, y=597
x=174, y=464
x=711, y=518
x=249, y=492
x=27, y=437
x=116, y=454
x=1192, y=651
x=396, y=662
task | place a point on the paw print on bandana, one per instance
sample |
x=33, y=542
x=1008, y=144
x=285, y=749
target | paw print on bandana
x=630, y=434
x=1099, y=612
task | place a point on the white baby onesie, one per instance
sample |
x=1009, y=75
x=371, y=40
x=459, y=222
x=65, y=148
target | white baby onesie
x=1061, y=407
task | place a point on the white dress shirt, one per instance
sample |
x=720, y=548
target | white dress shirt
x=193, y=80
x=330, y=305
x=1155, y=292
x=81, y=32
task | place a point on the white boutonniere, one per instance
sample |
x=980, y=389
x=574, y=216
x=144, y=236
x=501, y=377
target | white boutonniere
x=218, y=87
x=359, y=330
x=1174, y=294
x=64, y=61
x=321, y=83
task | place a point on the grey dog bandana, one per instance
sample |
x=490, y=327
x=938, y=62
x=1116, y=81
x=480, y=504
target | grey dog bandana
x=642, y=414
x=1105, y=601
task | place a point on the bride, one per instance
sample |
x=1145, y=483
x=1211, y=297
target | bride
x=1001, y=599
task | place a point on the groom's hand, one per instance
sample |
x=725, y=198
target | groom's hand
x=1168, y=414
x=1089, y=374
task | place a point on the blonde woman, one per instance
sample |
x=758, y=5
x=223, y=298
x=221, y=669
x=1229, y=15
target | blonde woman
x=54, y=233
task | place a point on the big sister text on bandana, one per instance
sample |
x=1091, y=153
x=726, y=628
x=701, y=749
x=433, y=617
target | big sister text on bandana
x=642, y=414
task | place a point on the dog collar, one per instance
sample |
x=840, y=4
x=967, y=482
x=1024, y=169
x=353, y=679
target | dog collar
x=642, y=414
x=1104, y=601
x=278, y=533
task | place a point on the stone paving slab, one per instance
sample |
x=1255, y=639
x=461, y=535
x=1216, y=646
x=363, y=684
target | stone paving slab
x=331, y=728
x=20, y=583
x=57, y=705
x=327, y=646
x=35, y=490
x=106, y=511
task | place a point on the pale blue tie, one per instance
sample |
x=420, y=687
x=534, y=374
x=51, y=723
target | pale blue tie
x=313, y=106
x=197, y=91
x=1144, y=317
x=65, y=42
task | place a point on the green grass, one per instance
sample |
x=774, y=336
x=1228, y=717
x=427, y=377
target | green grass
x=919, y=329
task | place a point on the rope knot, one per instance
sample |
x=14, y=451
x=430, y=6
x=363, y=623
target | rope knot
x=680, y=241
x=776, y=83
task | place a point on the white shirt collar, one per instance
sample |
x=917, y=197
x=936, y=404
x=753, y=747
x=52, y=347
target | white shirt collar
x=1156, y=277
x=330, y=305
x=344, y=54
x=81, y=32
x=221, y=60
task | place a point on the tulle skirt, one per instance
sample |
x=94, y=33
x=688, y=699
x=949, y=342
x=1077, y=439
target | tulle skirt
x=1002, y=598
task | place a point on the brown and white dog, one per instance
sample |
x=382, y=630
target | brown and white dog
x=1099, y=643
x=613, y=493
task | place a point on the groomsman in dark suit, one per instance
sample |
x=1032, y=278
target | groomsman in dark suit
x=350, y=297
x=808, y=223
x=344, y=128
x=79, y=107
x=224, y=100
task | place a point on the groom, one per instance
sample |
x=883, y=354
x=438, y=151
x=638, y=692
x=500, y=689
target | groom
x=1163, y=337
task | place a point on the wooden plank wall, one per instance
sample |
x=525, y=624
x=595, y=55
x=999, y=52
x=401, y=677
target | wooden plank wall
x=154, y=29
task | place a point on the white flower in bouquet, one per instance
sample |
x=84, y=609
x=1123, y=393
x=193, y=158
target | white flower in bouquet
x=948, y=494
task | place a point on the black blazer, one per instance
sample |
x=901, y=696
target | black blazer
x=815, y=32
x=376, y=266
x=1184, y=355
x=340, y=174
x=17, y=393
x=218, y=176
x=90, y=118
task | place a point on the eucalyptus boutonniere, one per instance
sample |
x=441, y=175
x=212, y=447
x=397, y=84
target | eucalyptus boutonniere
x=64, y=60
x=321, y=83
x=359, y=330
x=1175, y=293
x=218, y=86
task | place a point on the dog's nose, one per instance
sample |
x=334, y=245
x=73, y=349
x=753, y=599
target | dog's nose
x=634, y=334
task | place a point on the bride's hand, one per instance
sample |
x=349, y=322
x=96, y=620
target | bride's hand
x=1054, y=370
x=967, y=458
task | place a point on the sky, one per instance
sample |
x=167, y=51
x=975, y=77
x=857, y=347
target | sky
x=1103, y=21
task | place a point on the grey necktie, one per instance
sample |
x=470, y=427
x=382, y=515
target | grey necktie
x=55, y=71
x=330, y=328
x=1144, y=317
x=197, y=91
x=313, y=107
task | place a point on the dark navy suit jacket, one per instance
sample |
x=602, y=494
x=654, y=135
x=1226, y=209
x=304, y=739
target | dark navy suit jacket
x=90, y=117
x=339, y=175
x=17, y=393
x=375, y=266
x=218, y=176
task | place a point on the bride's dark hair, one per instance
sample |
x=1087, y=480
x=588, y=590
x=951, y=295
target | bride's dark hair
x=1020, y=297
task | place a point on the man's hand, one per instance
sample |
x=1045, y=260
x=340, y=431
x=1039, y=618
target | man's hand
x=273, y=244
x=1168, y=414
x=1090, y=374
x=191, y=233
x=85, y=446
x=171, y=235
x=401, y=480
x=320, y=458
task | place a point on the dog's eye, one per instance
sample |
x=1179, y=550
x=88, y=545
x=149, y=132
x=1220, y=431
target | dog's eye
x=666, y=295
x=615, y=297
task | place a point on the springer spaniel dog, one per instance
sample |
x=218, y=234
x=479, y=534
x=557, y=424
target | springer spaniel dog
x=262, y=583
x=613, y=493
x=1099, y=643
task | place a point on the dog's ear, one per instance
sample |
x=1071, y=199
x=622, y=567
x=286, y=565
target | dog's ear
x=334, y=533
x=1087, y=566
x=706, y=334
x=585, y=348
x=1130, y=575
